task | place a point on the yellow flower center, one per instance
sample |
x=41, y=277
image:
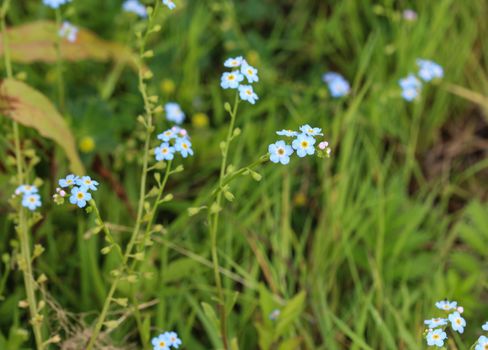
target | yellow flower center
x=250, y=72
x=162, y=344
x=485, y=347
x=80, y=195
x=69, y=182
x=32, y=199
x=458, y=321
x=249, y=92
x=304, y=144
x=165, y=150
x=185, y=146
x=231, y=77
x=436, y=336
x=281, y=151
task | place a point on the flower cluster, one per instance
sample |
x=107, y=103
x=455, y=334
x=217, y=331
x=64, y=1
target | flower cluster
x=30, y=196
x=174, y=140
x=165, y=341
x=303, y=144
x=134, y=6
x=412, y=86
x=174, y=113
x=68, y=32
x=55, y=3
x=435, y=332
x=169, y=3
x=338, y=86
x=233, y=80
x=79, y=187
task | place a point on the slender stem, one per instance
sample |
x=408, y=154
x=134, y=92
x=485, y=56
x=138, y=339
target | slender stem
x=214, y=225
x=59, y=62
x=23, y=230
x=142, y=190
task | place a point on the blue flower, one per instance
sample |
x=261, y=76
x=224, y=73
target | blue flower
x=164, y=152
x=174, y=113
x=482, y=343
x=436, y=337
x=411, y=87
x=161, y=342
x=136, y=7
x=249, y=72
x=457, y=322
x=233, y=62
x=183, y=146
x=174, y=341
x=446, y=305
x=303, y=144
x=435, y=322
x=338, y=86
x=87, y=183
x=273, y=316
x=167, y=135
x=429, y=70
x=70, y=180
x=280, y=152
x=247, y=94
x=308, y=130
x=26, y=189
x=485, y=326
x=169, y=3
x=68, y=32
x=231, y=80
x=289, y=133
x=31, y=201
x=79, y=196
x=55, y=3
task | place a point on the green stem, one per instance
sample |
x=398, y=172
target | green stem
x=142, y=190
x=59, y=62
x=23, y=230
x=214, y=225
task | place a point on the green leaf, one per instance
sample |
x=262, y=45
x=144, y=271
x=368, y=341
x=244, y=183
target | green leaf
x=30, y=108
x=290, y=313
x=211, y=316
x=290, y=344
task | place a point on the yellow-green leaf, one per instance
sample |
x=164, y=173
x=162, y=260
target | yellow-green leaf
x=30, y=108
x=36, y=42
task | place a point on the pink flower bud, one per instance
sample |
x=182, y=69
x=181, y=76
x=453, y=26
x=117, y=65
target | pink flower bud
x=323, y=144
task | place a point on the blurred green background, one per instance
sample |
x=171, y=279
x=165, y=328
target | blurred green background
x=395, y=220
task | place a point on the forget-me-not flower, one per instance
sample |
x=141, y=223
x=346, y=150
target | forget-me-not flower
x=280, y=152
x=183, y=146
x=174, y=113
x=26, y=189
x=287, y=132
x=167, y=135
x=55, y=3
x=307, y=129
x=485, y=326
x=173, y=338
x=88, y=183
x=247, y=93
x=68, y=32
x=169, y=3
x=429, y=70
x=79, y=196
x=436, y=337
x=338, y=86
x=249, y=72
x=304, y=145
x=482, y=343
x=446, y=305
x=161, y=342
x=70, y=180
x=231, y=80
x=134, y=6
x=411, y=87
x=435, y=322
x=457, y=322
x=233, y=62
x=164, y=152
x=31, y=201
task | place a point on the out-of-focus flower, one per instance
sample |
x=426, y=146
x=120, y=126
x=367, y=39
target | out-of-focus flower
x=168, y=86
x=134, y=6
x=31, y=201
x=429, y=70
x=169, y=3
x=174, y=113
x=26, y=189
x=457, y=322
x=87, y=144
x=410, y=15
x=446, y=305
x=233, y=62
x=308, y=130
x=68, y=32
x=338, y=86
x=164, y=152
x=200, y=120
x=55, y=3
x=273, y=316
x=411, y=87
